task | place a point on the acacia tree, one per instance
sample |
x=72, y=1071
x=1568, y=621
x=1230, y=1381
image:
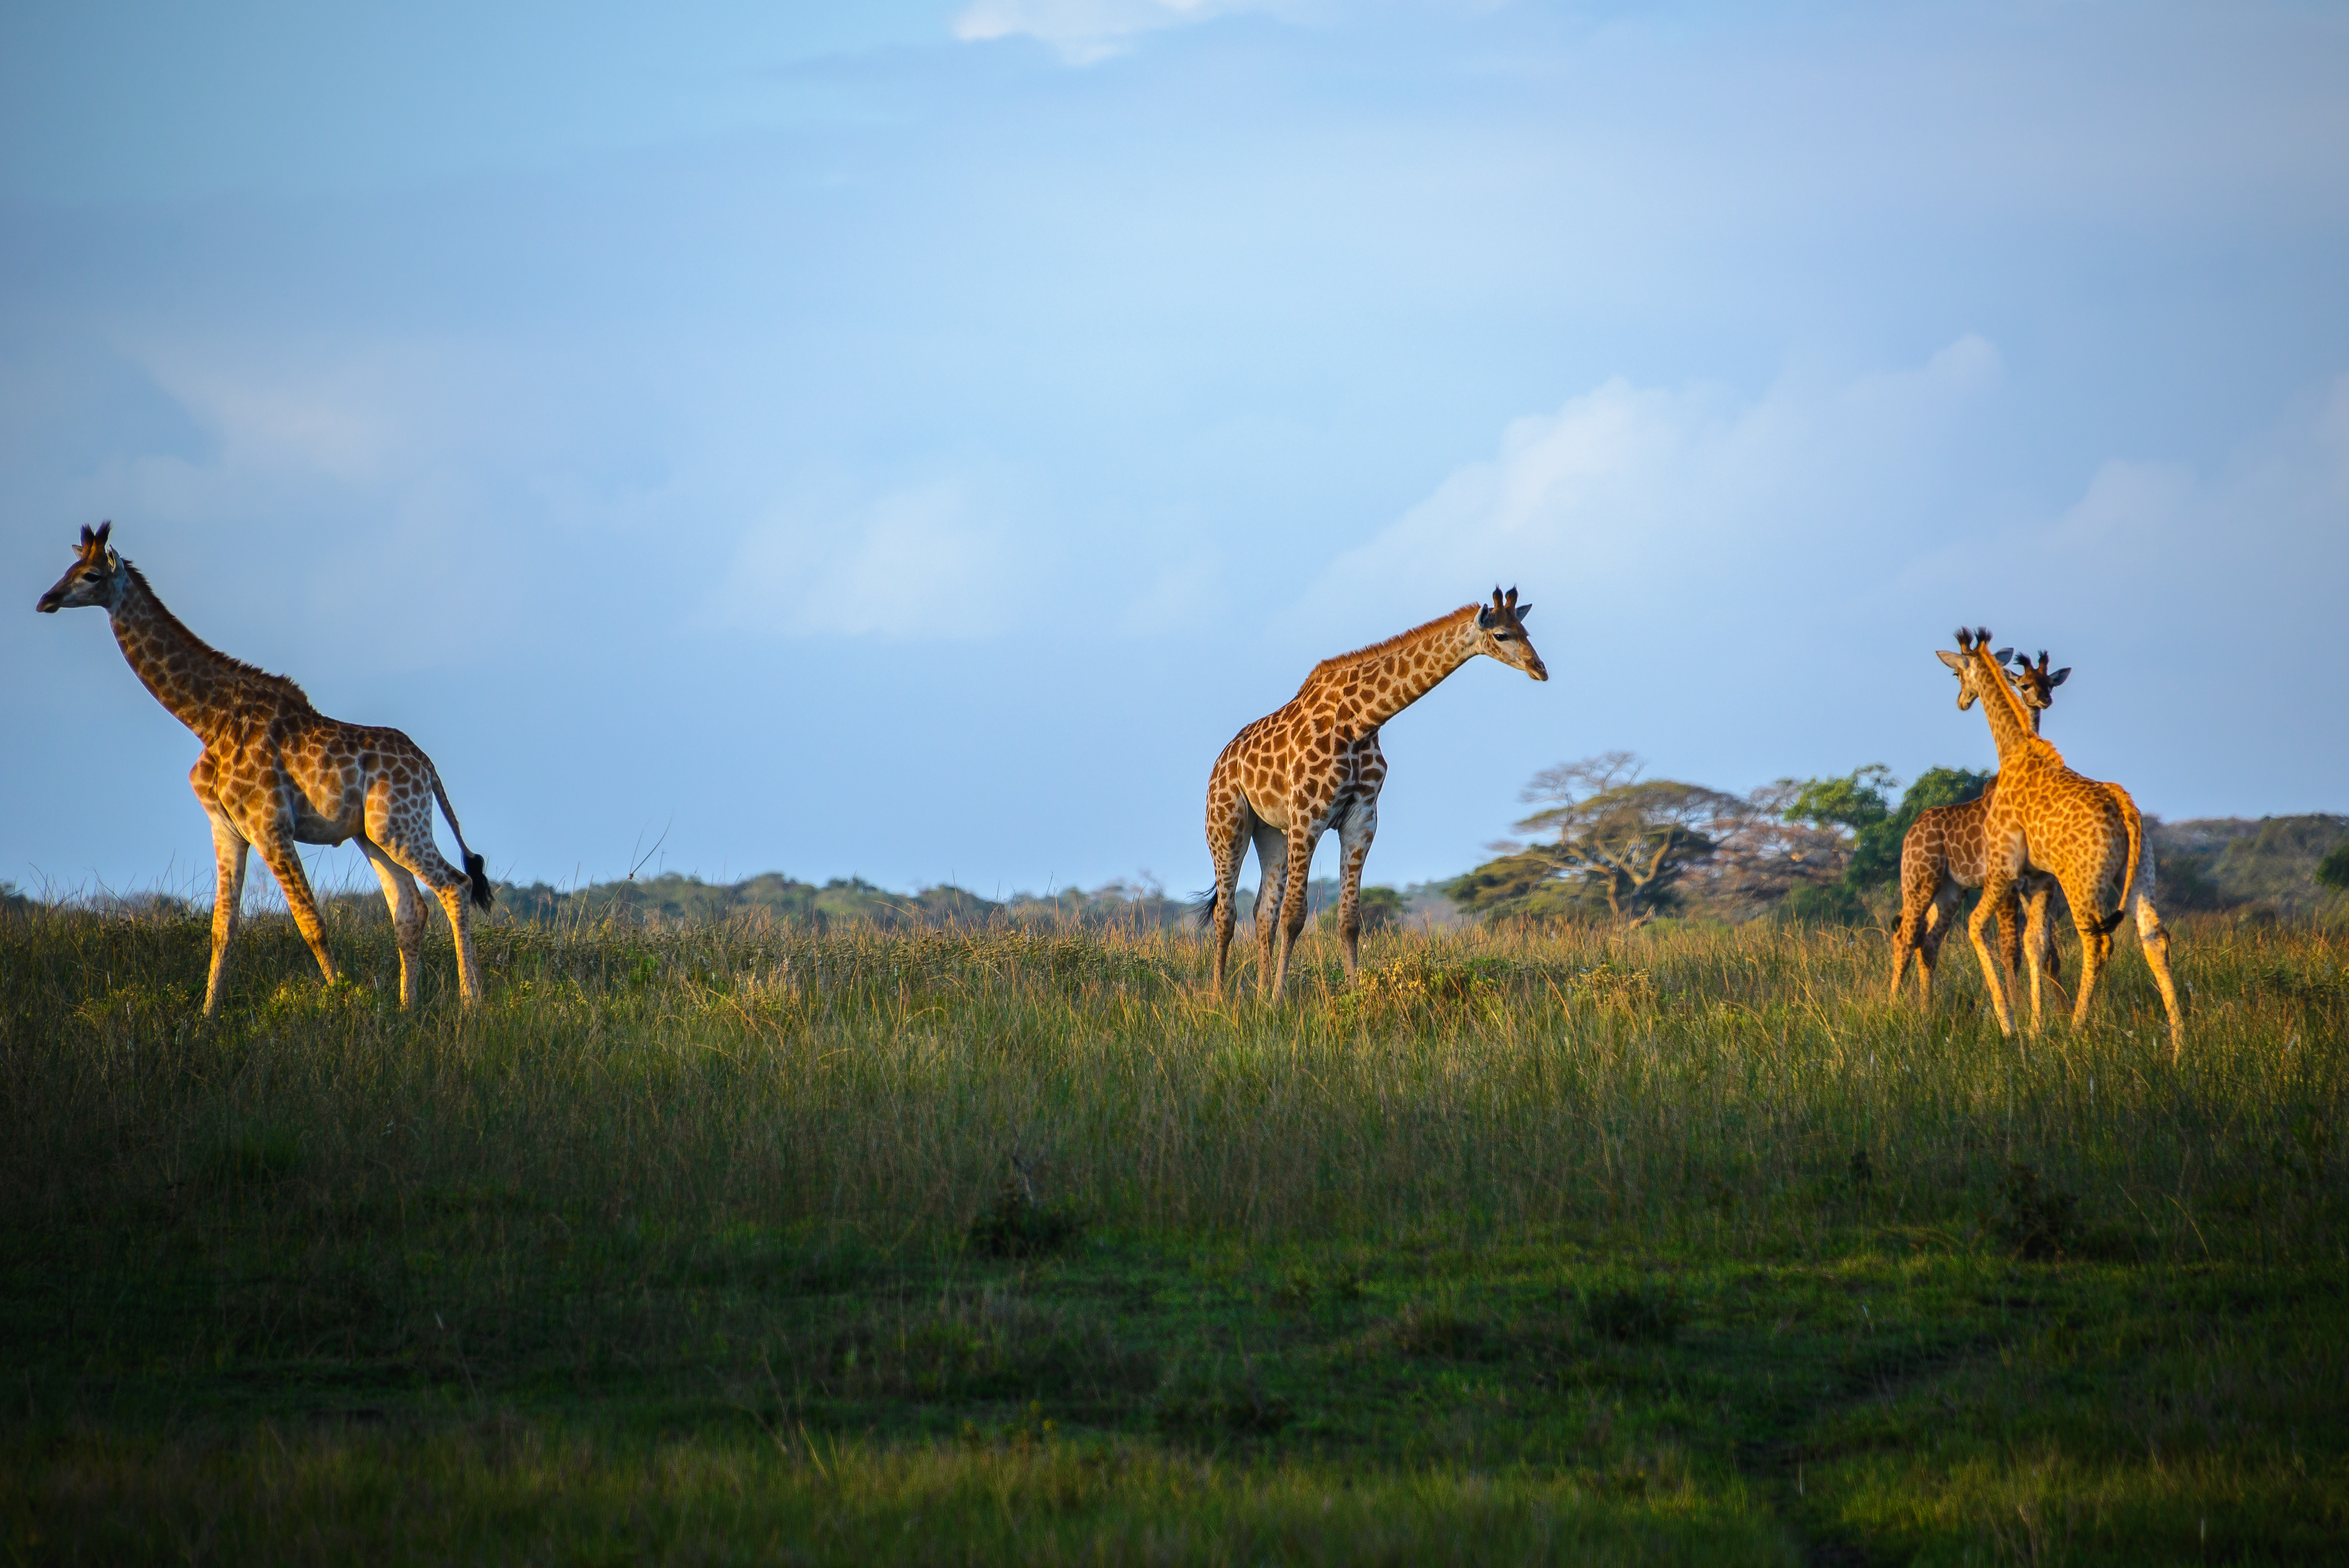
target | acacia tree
x=1770, y=852
x=1620, y=838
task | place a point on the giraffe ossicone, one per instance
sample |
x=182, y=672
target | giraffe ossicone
x=1313, y=766
x=275, y=772
x=2087, y=835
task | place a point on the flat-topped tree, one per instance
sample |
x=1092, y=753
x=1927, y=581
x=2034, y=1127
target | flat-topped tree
x=276, y=772
x=1313, y=765
x=1945, y=855
x=2087, y=835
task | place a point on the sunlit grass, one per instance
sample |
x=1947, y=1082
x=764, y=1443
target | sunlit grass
x=1488, y=1225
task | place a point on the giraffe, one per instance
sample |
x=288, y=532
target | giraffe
x=1942, y=856
x=2087, y=835
x=1314, y=765
x=275, y=772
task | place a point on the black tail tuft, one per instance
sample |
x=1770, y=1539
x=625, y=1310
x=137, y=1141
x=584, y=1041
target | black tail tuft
x=478, y=871
x=2111, y=923
x=1203, y=908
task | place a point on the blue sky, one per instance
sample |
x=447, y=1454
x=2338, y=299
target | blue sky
x=910, y=440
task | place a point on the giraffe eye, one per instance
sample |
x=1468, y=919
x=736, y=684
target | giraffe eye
x=1501, y=636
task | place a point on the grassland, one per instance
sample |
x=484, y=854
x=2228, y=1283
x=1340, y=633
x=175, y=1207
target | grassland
x=709, y=1243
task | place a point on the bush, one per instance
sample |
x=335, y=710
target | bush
x=1832, y=905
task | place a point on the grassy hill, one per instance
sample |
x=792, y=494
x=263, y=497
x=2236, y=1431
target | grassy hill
x=2265, y=866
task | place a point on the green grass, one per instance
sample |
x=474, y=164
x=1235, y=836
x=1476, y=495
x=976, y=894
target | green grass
x=739, y=1241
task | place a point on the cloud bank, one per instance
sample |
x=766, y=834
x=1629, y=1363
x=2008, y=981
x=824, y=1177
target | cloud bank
x=1086, y=32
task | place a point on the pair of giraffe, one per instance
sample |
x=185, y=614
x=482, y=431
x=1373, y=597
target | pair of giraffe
x=275, y=772
x=1946, y=853
x=2044, y=817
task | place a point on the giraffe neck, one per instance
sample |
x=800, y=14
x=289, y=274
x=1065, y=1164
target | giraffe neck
x=1412, y=665
x=195, y=680
x=2013, y=724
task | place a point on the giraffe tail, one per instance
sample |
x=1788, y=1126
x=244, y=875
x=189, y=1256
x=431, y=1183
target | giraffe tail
x=2107, y=924
x=477, y=869
x=1203, y=909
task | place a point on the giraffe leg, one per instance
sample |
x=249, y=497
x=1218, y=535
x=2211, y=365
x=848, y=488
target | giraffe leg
x=2050, y=957
x=2033, y=949
x=2010, y=930
x=1939, y=919
x=1908, y=935
x=1292, y=903
x=2095, y=951
x=406, y=916
x=1227, y=842
x=402, y=829
x=229, y=848
x=451, y=887
x=1996, y=887
x=1354, y=836
x=2153, y=937
x=285, y=864
x=1271, y=888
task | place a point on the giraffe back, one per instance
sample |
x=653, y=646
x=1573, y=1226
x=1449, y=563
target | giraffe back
x=2084, y=833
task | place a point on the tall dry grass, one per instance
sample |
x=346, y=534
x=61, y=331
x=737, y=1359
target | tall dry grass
x=1748, y=1091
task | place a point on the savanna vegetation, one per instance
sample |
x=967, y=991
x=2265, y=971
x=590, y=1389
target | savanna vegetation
x=1607, y=842
x=732, y=1237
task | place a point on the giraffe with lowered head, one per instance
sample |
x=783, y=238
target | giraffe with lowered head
x=1313, y=766
x=276, y=772
x=2087, y=835
x=1945, y=852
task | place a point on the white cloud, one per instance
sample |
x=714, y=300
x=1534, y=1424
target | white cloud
x=2254, y=555
x=1627, y=495
x=1689, y=550
x=921, y=562
x=341, y=415
x=1086, y=32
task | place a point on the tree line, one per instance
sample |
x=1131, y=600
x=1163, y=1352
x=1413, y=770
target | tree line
x=1607, y=842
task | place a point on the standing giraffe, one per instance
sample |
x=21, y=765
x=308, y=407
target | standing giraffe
x=1945, y=851
x=275, y=772
x=2087, y=835
x=1314, y=765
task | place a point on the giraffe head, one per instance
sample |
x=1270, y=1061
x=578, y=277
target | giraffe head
x=1501, y=631
x=1963, y=665
x=2035, y=684
x=96, y=577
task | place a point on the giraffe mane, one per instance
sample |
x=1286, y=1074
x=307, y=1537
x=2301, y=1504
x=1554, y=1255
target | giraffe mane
x=1362, y=656
x=282, y=685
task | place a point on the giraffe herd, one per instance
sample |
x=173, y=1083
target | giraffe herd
x=275, y=773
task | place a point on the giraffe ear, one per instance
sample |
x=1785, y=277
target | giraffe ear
x=1484, y=616
x=1524, y=611
x=113, y=562
x=1952, y=660
x=2059, y=676
x=2004, y=655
